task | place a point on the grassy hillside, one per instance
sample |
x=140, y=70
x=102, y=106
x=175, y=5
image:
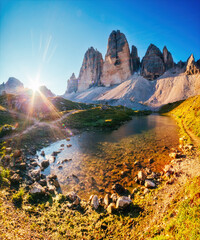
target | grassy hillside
x=187, y=115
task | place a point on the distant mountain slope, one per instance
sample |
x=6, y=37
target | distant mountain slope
x=137, y=92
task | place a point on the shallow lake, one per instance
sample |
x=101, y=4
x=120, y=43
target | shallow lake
x=100, y=159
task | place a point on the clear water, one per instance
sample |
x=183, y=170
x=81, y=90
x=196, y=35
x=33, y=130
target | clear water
x=98, y=158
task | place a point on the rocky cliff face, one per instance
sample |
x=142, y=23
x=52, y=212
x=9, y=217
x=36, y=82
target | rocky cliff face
x=134, y=60
x=167, y=58
x=91, y=70
x=192, y=67
x=13, y=85
x=72, y=84
x=116, y=67
x=152, y=65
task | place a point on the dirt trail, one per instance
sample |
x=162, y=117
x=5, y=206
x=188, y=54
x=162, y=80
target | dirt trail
x=37, y=123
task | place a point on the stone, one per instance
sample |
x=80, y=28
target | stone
x=17, y=153
x=76, y=202
x=43, y=182
x=8, y=150
x=107, y=199
x=45, y=163
x=141, y=176
x=95, y=202
x=149, y=184
x=152, y=65
x=123, y=202
x=36, y=188
x=146, y=190
x=36, y=174
x=22, y=166
x=134, y=60
x=51, y=189
x=114, y=197
x=168, y=60
x=116, y=67
x=42, y=153
x=110, y=208
x=91, y=70
x=52, y=176
x=15, y=179
x=34, y=164
x=118, y=188
x=191, y=67
x=71, y=196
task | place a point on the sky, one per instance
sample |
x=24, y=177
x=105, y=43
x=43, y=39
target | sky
x=45, y=40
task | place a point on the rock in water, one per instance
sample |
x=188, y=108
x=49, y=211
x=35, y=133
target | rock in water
x=95, y=202
x=91, y=70
x=135, y=60
x=45, y=163
x=116, y=67
x=118, y=188
x=123, y=202
x=191, y=67
x=72, y=84
x=168, y=60
x=152, y=65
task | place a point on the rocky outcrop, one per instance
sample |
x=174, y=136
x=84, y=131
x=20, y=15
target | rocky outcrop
x=72, y=84
x=13, y=85
x=167, y=58
x=152, y=65
x=134, y=60
x=192, y=67
x=91, y=70
x=116, y=67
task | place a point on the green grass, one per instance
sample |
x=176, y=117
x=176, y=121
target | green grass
x=186, y=113
x=183, y=219
x=4, y=177
x=110, y=118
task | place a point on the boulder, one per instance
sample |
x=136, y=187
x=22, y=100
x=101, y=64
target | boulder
x=36, y=174
x=141, y=176
x=107, y=199
x=45, y=163
x=91, y=70
x=123, y=202
x=114, y=197
x=152, y=65
x=15, y=179
x=191, y=67
x=36, y=188
x=17, y=153
x=116, y=67
x=95, y=202
x=118, y=188
x=72, y=196
x=149, y=184
x=134, y=60
x=110, y=208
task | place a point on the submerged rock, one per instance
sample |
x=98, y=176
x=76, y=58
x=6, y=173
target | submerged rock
x=118, y=188
x=45, y=163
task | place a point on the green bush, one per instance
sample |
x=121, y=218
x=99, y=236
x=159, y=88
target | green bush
x=4, y=177
x=17, y=198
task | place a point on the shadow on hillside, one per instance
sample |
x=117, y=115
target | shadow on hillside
x=170, y=106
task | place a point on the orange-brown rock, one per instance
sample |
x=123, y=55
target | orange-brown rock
x=91, y=70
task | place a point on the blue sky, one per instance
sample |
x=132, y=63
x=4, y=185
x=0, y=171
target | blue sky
x=47, y=39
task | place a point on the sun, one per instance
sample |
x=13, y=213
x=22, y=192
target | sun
x=35, y=86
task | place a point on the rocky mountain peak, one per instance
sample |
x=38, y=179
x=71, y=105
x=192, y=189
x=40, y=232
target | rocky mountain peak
x=13, y=85
x=192, y=67
x=135, y=60
x=167, y=58
x=152, y=65
x=91, y=69
x=116, y=67
x=72, y=84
